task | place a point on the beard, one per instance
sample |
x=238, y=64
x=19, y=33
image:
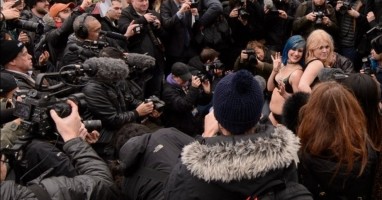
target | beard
x=41, y=11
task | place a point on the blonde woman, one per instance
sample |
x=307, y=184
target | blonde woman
x=319, y=51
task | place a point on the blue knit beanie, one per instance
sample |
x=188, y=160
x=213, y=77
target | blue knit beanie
x=238, y=102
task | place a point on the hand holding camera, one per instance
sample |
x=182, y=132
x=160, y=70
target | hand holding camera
x=195, y=81
x=145, y=108
x=68, y=127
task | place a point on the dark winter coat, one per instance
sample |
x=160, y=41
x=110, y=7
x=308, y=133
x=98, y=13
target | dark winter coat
x=148, y=161
x=236, y=167
x=111, y=103
x=94, y=183
x=316, y=173
x=179, y=106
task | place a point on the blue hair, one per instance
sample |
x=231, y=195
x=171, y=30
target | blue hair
x=294, y=42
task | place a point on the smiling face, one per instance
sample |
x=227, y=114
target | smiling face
x=295, y=55
x=322, y=52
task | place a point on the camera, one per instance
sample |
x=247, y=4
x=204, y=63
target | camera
x=217, y=64
x=138, y=29
x=194, y=5
x=243, y=13
x=26, y=25
x=158, y=104
x=92, y=125
x=202, y=76
x=252, y=57
x=366, y=66
x=319, y=16
x=345, y=7
x=34, y=111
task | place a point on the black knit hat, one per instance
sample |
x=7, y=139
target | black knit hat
x=238, y=102
x=7, y=83
x=9, y=50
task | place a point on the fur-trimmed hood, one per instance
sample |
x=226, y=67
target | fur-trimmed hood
x=235, y=158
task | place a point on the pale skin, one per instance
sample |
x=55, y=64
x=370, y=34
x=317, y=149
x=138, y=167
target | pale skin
x=280, y=72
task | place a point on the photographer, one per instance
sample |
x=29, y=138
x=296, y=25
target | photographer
x=352, y=26
x=312, y=15
x=256, y=58
x=94, y=179
x=148, y=40
x=110, y=100
x=182, y=93
x=279, y=16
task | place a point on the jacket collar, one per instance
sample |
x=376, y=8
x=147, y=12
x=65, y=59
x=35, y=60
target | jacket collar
x=234, y=158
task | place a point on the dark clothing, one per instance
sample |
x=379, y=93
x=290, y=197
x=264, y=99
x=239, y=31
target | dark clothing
x=318, y=175
x=95, y=181
x=179, y=106
x=303, y=26
x=108, y=25
x=111, y=103
x=156, y=152
x=45, y=155
x=236, y=167
x=343, y=63
x=264, y=72
x=149, y=41
x=24, y=81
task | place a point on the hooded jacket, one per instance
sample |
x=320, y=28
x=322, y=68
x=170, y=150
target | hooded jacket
x=94, y=183
x=236, y=167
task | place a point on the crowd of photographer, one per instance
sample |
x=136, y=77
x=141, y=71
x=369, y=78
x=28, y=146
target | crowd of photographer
x=139, y=99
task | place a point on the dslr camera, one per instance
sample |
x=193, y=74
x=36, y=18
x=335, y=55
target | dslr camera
x=319, y=16
x=158, y=104
x=345, y=7
x=243, y=13
x=217, y=64
x=202, y=76
x=26, y=25
x=252, y=57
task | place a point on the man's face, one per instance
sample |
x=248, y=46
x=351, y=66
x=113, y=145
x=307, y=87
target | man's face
x=23, y=61
x=140, y=6
x=64, y=14
x=94, y=28
x=42, y=6
x=319, y=2
x=115, y=10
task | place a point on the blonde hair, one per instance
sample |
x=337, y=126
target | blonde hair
x=314, y=41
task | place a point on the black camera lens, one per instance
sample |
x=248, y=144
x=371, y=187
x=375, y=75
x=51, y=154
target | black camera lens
x=92, y=125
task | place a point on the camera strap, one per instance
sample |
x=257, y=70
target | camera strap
x=155, y=39
x=40, y=193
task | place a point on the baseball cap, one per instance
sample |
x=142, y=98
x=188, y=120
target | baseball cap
x=181, y=70
x=58, y=7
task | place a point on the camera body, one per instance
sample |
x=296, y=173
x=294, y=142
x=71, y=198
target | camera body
x=138, y=29
x=217, y=64
x=194, y=5
x=319, y=16
x=202, y=76
x=158, y=104
x=34, y=111
x=243, y=13
x=345, y=7
x=252, y=57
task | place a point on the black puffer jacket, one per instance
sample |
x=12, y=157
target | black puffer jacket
x=236, y=167
x=94, y=183
x=155, y=153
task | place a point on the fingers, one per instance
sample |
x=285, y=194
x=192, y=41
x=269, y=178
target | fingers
x=74, y=107
x=54, y=115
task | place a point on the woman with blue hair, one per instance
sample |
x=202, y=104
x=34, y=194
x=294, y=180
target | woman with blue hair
x=286, y=74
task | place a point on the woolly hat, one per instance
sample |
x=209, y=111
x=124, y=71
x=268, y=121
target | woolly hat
x=7, y=83
x=9, y=50
x=238, y=102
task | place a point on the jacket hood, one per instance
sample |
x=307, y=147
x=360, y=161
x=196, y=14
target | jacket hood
x=235, y=158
